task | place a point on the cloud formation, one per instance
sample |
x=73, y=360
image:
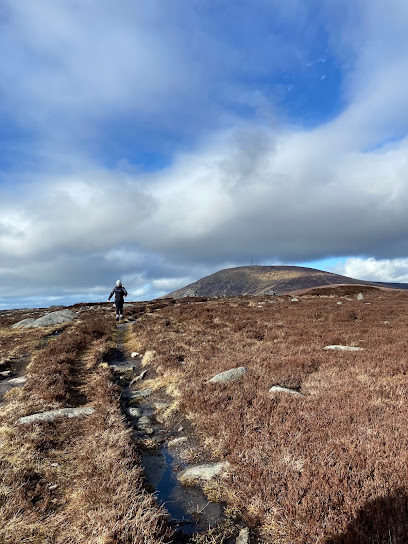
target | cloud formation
x=81, y=207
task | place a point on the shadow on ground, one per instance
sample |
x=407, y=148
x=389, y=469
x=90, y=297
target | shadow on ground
x=381, y=521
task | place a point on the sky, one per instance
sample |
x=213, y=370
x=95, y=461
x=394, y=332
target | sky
x=157, y=142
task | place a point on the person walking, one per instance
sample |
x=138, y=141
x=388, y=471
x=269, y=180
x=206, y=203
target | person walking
x=120, y=292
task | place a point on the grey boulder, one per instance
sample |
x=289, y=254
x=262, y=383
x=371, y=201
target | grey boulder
x=23, y=323
x=229, y=375
x=47, y=320
x=203, y=472
x=54, y=414
x=279, y=389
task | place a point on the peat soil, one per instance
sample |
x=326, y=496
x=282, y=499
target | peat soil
x=189, y=510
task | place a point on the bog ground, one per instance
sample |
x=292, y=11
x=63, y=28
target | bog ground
x=304, y=441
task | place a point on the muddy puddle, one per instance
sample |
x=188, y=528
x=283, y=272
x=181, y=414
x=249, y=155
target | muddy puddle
x=10, y=371
x=189, y=510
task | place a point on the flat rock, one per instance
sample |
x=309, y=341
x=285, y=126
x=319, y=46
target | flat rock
x=5, y=373
x=145, y=424
x=54, y=414
x=177, y=442
x=203, y=472
x=229, y=375
x=133, y=412
x=139, y=377
x=17, y=381
x=279, y=389
x=343, y=348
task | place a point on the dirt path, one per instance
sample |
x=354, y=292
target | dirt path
x=155, y=435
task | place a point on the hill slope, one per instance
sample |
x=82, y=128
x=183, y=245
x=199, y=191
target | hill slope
x=265, y=280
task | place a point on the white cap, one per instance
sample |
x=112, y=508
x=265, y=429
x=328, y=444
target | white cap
x=118, y=283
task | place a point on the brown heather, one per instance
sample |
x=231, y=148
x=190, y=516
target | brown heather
x=76, y=480
x=329, y=467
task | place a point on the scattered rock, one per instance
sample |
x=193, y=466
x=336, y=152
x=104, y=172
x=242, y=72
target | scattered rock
x=229, y=375
x=203, y=472
x=360, y=296
x=294, y=299
x=17, y=381
x=134, y=354
x=386, y=322
x=279, y=389
x=122, y=368
x=177, y=442
x=339, y=303
x=5, y=373
x=138, y=378
x=145, y=425
x=54, y=414
x=243, y=537
x=343, y=348
x=133, y=412
x=136, y=395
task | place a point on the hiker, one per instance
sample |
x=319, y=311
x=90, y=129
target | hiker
x=119, y=292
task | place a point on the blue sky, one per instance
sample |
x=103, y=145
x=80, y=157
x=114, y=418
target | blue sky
x=158, y=142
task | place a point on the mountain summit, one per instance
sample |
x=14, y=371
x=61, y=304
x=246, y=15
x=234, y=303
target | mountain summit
x=264, y=280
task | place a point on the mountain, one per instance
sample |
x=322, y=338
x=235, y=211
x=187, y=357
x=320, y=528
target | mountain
x=267, y=280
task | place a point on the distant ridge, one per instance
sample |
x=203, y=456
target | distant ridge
x=267, y=280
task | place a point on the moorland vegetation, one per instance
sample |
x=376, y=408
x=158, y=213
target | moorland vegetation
x=327, y=466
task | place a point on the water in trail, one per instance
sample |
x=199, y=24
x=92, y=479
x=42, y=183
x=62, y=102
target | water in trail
x=190, y=511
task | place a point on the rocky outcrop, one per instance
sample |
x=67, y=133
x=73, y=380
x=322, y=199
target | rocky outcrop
x=47, y=320
x=23, y=323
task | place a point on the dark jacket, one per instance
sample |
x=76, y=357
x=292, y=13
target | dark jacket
x=119, y=292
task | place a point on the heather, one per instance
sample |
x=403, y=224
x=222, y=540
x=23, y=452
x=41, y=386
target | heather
x=73, y=480
x=329, y=466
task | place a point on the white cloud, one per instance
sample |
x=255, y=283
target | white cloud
x=267, y=190
x=170, y=284
x=386, y=270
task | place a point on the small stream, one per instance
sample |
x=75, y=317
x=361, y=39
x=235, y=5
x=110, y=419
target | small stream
x=190, y=511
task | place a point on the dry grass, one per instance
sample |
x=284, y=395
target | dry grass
x=76, y=480
x=329, y=467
